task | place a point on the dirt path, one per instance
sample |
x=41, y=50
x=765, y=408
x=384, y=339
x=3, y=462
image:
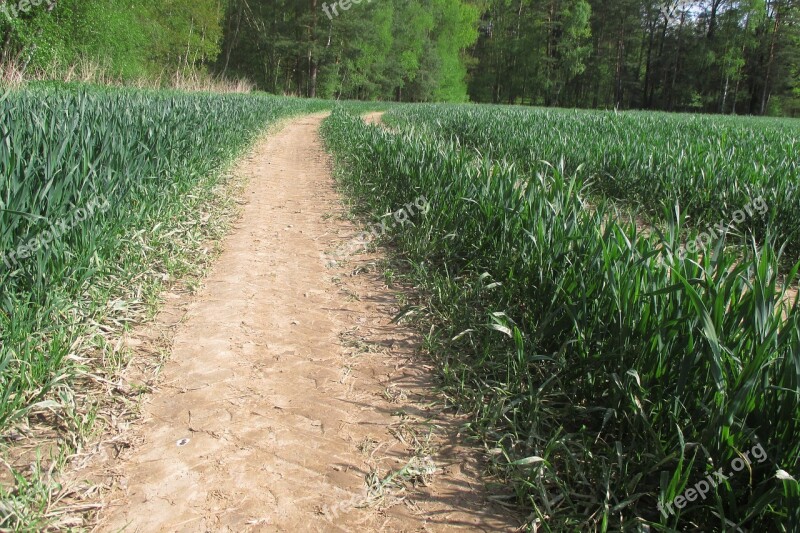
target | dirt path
x=289, y=392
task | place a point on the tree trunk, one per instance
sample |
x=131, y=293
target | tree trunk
x=767, y=80
x=618, y=74
x=739, y=73
x=671, y=96
x=649, y=65
x=660, y=62
x=232, y=39
x=312, y=61
x=712, y=20
x=551, y=51
x=725, y=94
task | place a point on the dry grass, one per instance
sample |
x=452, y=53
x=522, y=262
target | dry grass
x=11, y=75
x=14, y=75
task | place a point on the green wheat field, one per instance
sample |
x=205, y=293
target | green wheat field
x=611, y=296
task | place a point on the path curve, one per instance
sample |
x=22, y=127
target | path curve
x=289, y=390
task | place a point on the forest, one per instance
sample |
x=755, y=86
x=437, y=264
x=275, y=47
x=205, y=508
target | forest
x=715, y=56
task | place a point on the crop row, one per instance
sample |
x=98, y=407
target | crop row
x=710, y=167
x=609, y=373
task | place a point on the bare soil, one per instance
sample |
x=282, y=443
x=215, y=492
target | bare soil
x=290, y=401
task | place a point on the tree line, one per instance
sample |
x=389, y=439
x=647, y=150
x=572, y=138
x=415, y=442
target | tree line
x=409, y=50
x=721, y=56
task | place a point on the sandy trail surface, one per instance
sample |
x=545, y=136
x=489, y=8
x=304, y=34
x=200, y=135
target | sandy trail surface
x=290, y=401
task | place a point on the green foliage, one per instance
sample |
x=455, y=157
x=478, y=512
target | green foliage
x=573, y=49
x=187, y=33
x=455, y=31
x=530, y=51
x=607, y=373
x=392, y=49
x=715, y=56
x=128, y=40
x=710, y=166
